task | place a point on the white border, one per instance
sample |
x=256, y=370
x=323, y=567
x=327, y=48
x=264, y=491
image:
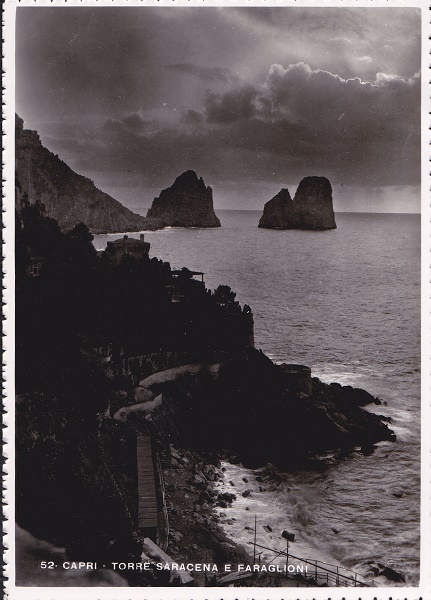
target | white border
x=110, y=593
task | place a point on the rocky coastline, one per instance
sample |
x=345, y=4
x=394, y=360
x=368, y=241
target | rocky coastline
x=185, y=375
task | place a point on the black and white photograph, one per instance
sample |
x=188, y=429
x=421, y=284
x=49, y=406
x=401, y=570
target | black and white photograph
x=217, y=298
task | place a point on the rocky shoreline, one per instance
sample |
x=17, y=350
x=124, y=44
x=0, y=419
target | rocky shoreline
x=196, y=511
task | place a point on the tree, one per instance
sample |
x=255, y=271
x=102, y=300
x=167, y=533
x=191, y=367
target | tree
x=224, y=296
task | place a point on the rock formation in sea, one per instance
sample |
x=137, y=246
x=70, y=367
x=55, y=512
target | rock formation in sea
x=187, y=203
x=68, y=197
x=311, y=207
x=278, y=212
x=313, y=204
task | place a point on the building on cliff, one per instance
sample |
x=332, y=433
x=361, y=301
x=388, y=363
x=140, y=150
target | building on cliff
x=127, y=246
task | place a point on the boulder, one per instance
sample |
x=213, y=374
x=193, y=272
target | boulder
x=187, y=203
x=313, y=204
x=278, y=212
x=290, y=537
x=227, y=497
x=198, y=481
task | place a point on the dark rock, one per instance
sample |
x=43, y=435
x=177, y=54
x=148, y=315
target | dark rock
x=335, y=530
x=313, y=204
x=290, y=430
x=246, y=493
x=278, y=212
x=267, y=528
x=393, y=575
x=205, y=497
x=368, y=449
x=398, y=494
x=175, y=536
x=227, y=497
x=290, y=537
x=359, y=396
x=68, y=197
x=245, y=479
x=258, y=478
x=388, y=572
x=198, y=481
x=187, y=203
x=222, y=504
x=210, y=472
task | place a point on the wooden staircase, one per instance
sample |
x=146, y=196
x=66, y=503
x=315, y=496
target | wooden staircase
x=147, y=495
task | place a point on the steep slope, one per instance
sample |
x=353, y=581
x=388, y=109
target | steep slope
x=67, y=196
x=187, y=203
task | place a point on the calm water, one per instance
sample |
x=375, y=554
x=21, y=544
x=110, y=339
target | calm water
x=347, y=303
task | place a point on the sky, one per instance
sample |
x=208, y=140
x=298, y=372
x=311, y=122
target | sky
x=252, y=99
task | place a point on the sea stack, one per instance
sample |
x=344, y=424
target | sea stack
x=187, y=203
x=278, y=212
x=313, y=204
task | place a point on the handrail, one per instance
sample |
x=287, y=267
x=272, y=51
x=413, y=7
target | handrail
x=337, y=575
x=162, y=491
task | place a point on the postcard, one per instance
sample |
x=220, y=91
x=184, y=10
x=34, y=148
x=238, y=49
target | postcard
x=216, y=291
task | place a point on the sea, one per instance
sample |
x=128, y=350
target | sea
x=345, y=302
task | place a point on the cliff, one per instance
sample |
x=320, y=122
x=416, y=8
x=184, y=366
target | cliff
x=187, y=203
x=68, y=197
x=278, y=212
x=313, y=204
x=310, y=209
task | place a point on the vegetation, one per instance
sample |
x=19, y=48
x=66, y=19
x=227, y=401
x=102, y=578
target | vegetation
x=66, y=491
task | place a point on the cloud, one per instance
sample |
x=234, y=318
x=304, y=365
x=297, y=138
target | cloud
x=231, y=106
x=299, y=121
x=130, y=97
x=207, y=74
x=192, y=117
x=363, y=59
x=132, y=122
x=340, y=40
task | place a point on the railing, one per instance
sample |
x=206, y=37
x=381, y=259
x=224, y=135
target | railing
x=163, y=533
x=321, y=572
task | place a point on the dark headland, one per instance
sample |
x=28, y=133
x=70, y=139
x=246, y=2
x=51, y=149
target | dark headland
x=312, y=207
